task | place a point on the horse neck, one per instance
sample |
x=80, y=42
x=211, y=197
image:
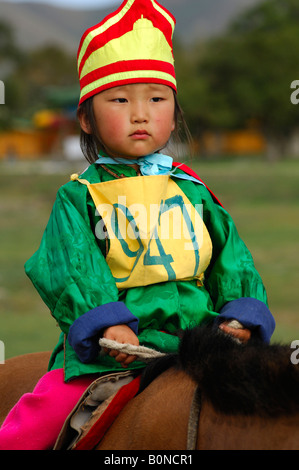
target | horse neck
x=168, y=401
x=218, y=431
x=157, y=419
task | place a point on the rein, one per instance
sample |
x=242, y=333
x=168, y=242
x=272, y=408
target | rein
x=147, y=355
x=193, y=422
x=141, y=352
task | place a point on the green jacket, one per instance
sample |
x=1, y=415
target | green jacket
x=71, y=275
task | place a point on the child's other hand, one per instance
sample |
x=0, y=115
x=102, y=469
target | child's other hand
x=121, y=334
x=242, y=334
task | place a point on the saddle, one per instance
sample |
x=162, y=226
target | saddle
x=96, y=410
x=103, y=400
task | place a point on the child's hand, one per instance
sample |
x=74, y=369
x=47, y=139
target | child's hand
x=242, y=334
x=121, y=334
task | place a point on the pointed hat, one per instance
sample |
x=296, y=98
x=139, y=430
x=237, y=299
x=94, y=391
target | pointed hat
x=131, y=45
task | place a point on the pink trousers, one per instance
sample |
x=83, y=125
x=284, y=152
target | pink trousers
x=35, y=421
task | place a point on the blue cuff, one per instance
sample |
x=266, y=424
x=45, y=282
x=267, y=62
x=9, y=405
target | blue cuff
x=251, y=313
x=85, y=331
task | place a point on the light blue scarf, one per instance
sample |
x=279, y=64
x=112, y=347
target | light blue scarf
x=154, y=164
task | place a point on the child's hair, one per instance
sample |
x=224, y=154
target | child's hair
x=91, y=144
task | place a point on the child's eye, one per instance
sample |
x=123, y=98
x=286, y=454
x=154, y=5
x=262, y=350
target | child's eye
x=156, y=99
x=120, y=100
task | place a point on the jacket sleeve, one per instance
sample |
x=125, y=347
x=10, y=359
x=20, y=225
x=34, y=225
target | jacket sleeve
x=252, y=314
x=69, y=270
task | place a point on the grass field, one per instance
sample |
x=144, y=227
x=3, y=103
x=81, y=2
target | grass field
x=262, y=198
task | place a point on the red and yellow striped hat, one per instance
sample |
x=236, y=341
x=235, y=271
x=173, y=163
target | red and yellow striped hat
x=131, y=45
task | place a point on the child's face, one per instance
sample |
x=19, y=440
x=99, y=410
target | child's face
x=134, y=120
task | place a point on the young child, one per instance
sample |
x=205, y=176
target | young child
x=136, y=247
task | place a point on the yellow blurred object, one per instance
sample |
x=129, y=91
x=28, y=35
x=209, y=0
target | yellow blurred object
x=44, y=118
x=243, y=142
x=238, y=142
x=26, y=144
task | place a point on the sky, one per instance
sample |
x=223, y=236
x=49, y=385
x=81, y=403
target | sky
x=75, y=3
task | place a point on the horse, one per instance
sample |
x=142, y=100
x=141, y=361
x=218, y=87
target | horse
x=19, y=375
x=247, y=397
x=235, y=396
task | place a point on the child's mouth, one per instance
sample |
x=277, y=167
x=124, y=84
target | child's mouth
x=140, y=134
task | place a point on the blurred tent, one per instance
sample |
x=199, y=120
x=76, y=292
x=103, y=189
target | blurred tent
x=25, y=143
x=44, y=134
x=63, y=97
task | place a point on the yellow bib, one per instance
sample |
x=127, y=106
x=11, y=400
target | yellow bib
x=155, y=233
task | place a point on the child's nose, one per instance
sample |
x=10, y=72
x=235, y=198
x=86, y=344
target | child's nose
x=139, y=113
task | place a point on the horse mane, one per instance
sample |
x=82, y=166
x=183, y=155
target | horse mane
x=252, y=378
x=247, y=379
x=155, y=368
